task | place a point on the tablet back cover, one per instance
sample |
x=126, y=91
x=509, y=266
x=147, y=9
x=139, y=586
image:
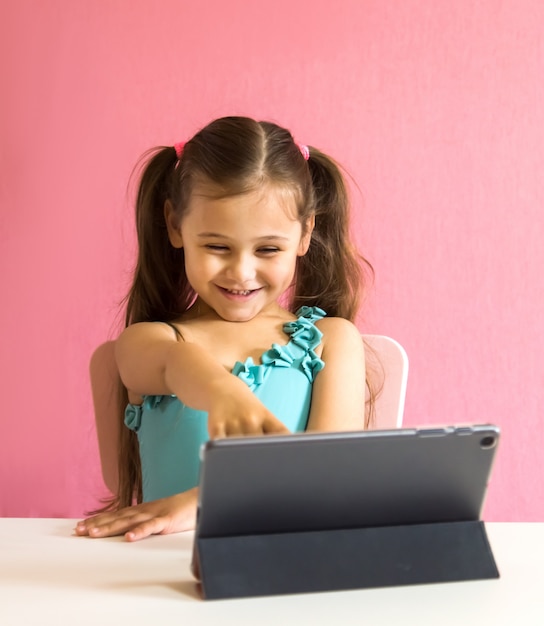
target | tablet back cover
x=331, y=481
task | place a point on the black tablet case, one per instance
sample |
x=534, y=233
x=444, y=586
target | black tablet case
x=316, y=512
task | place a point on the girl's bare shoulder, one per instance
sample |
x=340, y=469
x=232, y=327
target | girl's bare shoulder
x=143, y=332
x=338, y=328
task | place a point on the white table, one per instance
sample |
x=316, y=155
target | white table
x=49, y=576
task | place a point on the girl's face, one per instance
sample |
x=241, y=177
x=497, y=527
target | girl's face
x=240, y=251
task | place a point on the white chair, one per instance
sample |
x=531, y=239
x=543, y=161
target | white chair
x=387, y=368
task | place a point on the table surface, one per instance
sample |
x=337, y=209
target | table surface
x=50, y=576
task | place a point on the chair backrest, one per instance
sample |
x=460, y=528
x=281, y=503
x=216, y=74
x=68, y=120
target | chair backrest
x=104, y=385
x=387, y=367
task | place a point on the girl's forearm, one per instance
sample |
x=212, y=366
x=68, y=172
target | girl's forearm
x=195, y=378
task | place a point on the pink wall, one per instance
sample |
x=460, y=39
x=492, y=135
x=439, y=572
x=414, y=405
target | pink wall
x=436, y=109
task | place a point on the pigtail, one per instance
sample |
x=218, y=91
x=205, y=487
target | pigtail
x=330, y=275
x=160, y=291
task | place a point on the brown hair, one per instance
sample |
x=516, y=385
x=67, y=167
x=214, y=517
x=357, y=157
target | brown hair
x=235, y=155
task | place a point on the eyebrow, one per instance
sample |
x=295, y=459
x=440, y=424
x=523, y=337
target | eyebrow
x=264, y=238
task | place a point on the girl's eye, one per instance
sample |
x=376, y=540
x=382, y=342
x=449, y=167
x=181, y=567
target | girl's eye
x=216, y=247
x=268, y=250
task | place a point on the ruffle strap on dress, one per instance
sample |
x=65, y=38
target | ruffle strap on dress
x=133, y=412
x=304, y=336
x=133, y=416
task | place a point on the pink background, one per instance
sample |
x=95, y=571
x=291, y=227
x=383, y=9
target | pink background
x=435, y=108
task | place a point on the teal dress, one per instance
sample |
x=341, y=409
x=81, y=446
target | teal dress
x=171, y=434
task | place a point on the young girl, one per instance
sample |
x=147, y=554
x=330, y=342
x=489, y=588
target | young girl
x=238, y=319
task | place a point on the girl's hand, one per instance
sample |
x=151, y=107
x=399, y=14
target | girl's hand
x=234, y=410
x=160, y=517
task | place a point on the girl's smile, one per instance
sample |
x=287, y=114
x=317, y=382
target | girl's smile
x=238, y=294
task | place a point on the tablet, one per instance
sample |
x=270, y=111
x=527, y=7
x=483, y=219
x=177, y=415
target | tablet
x=317, y=481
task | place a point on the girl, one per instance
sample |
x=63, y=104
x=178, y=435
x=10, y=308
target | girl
x=238, y=228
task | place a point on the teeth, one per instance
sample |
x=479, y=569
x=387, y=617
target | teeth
x=239, y=293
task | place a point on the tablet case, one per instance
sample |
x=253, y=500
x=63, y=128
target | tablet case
x=302, y=513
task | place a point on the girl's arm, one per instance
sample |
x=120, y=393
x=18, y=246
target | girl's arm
x=152, y=362
x=338, y=396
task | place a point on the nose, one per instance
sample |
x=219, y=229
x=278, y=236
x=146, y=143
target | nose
x=241, y=268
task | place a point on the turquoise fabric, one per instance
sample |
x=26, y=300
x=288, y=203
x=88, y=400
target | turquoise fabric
x=171, y=434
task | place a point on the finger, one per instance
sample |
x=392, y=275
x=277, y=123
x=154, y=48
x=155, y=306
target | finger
x=273, y=425
x=154, y=526
x=195, y=565
x=245, y=427
x=81, y=529
x=217, y=431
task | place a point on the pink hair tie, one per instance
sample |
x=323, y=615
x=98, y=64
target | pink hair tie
x=178, y=147
x=304, y=150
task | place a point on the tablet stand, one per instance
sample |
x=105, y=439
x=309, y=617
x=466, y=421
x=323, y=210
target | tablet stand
x=333, y=560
